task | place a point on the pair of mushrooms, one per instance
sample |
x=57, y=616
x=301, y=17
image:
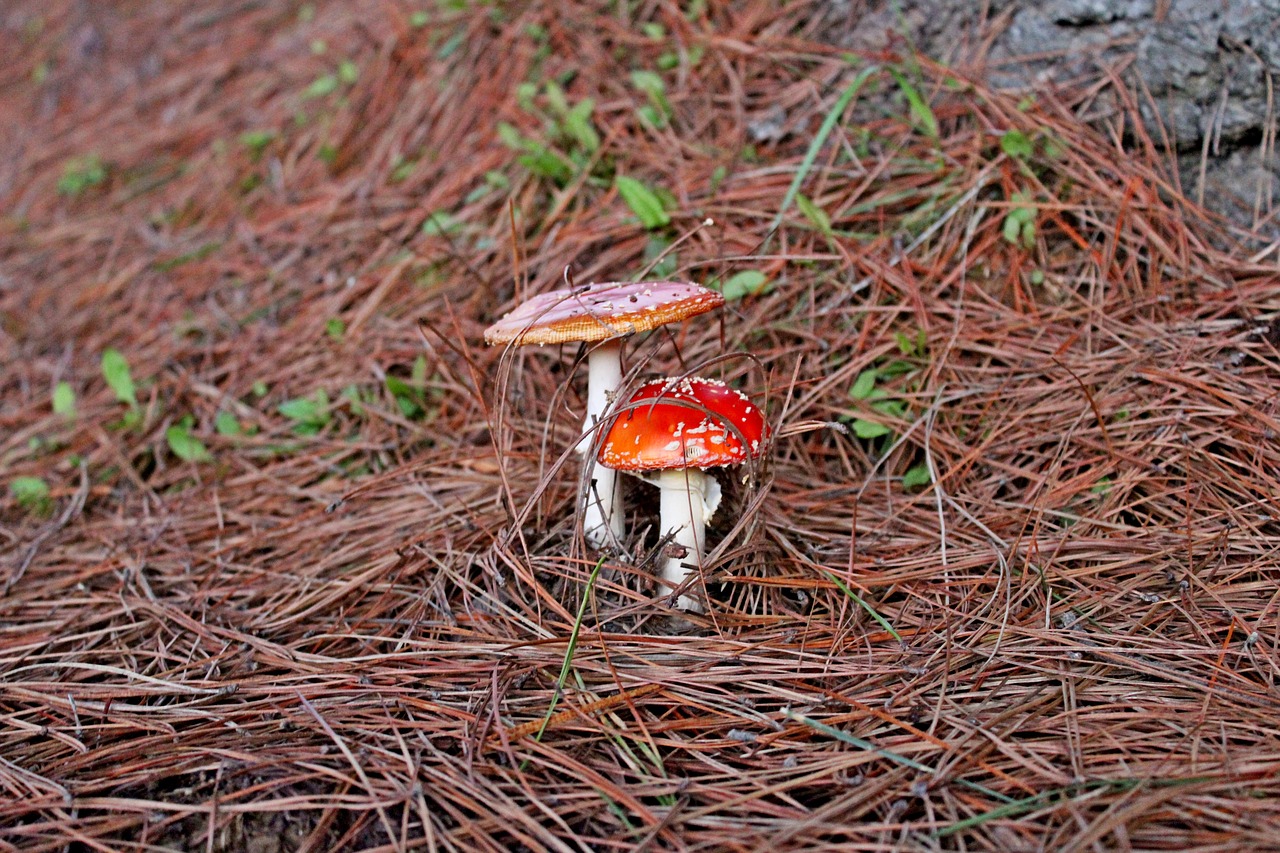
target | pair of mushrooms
x=669, y=431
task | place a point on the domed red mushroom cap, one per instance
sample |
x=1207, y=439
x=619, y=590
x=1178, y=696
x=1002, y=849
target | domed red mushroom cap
x=684, y=423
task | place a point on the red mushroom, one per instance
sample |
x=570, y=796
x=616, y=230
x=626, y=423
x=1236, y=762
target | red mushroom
x=678, y=428
x=602, y=314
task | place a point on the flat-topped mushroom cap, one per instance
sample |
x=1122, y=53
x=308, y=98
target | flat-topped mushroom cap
x=600, y=311
x=684, y=423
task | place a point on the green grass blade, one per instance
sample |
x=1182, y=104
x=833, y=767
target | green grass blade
x=919, y=108
x=884, y=623
x=1017, y=807
x=854, y=740
x=811, y=156
x=569, y=649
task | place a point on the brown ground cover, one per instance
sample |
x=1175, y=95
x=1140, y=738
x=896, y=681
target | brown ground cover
x=317, y=585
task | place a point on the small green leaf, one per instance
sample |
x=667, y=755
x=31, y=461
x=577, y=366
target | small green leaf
x=32, y=494
x=299, y=409
x=80, y=174
x=896, y=367
x=64, y=400
x=1029, y=234
x=869, y=429
x=184, y=445
x=348, y=71
x=510, y=136
x=651, y=116
x=259, y=389
x=890, y=407
x=643, y=201
x=419, y=19
x=310, y=414
x=525, y=93
x=1013, y=227
x=651, y=84
x=864, y=384
x=917, y=476
x=257, y=140
x=546, y=164
x=744, y=283
x=1017, y=144
x=816, y=215
x=115, y=369
x=556, y=98
x=718, y=174
x=419, y=371
x=325, y=84
x=335, y=329
x=226, y=424
x=920, y=111
x=577, y=123
x=1019, y=225
x=351, y=393
x=408, y=399
x=910, y=346
x=440, y=223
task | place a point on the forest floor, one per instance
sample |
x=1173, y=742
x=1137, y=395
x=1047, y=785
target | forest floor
x=288, y=557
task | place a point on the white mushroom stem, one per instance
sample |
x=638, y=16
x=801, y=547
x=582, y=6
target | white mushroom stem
x=602, y=512
x=689, y=497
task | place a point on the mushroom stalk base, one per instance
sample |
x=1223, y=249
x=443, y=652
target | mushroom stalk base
x=602, y=510
x=683, y=506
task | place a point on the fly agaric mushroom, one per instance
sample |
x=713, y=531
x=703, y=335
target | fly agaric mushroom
x=601, y=314
x=677, y=428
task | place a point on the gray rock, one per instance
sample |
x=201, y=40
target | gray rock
x=1208, y=69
